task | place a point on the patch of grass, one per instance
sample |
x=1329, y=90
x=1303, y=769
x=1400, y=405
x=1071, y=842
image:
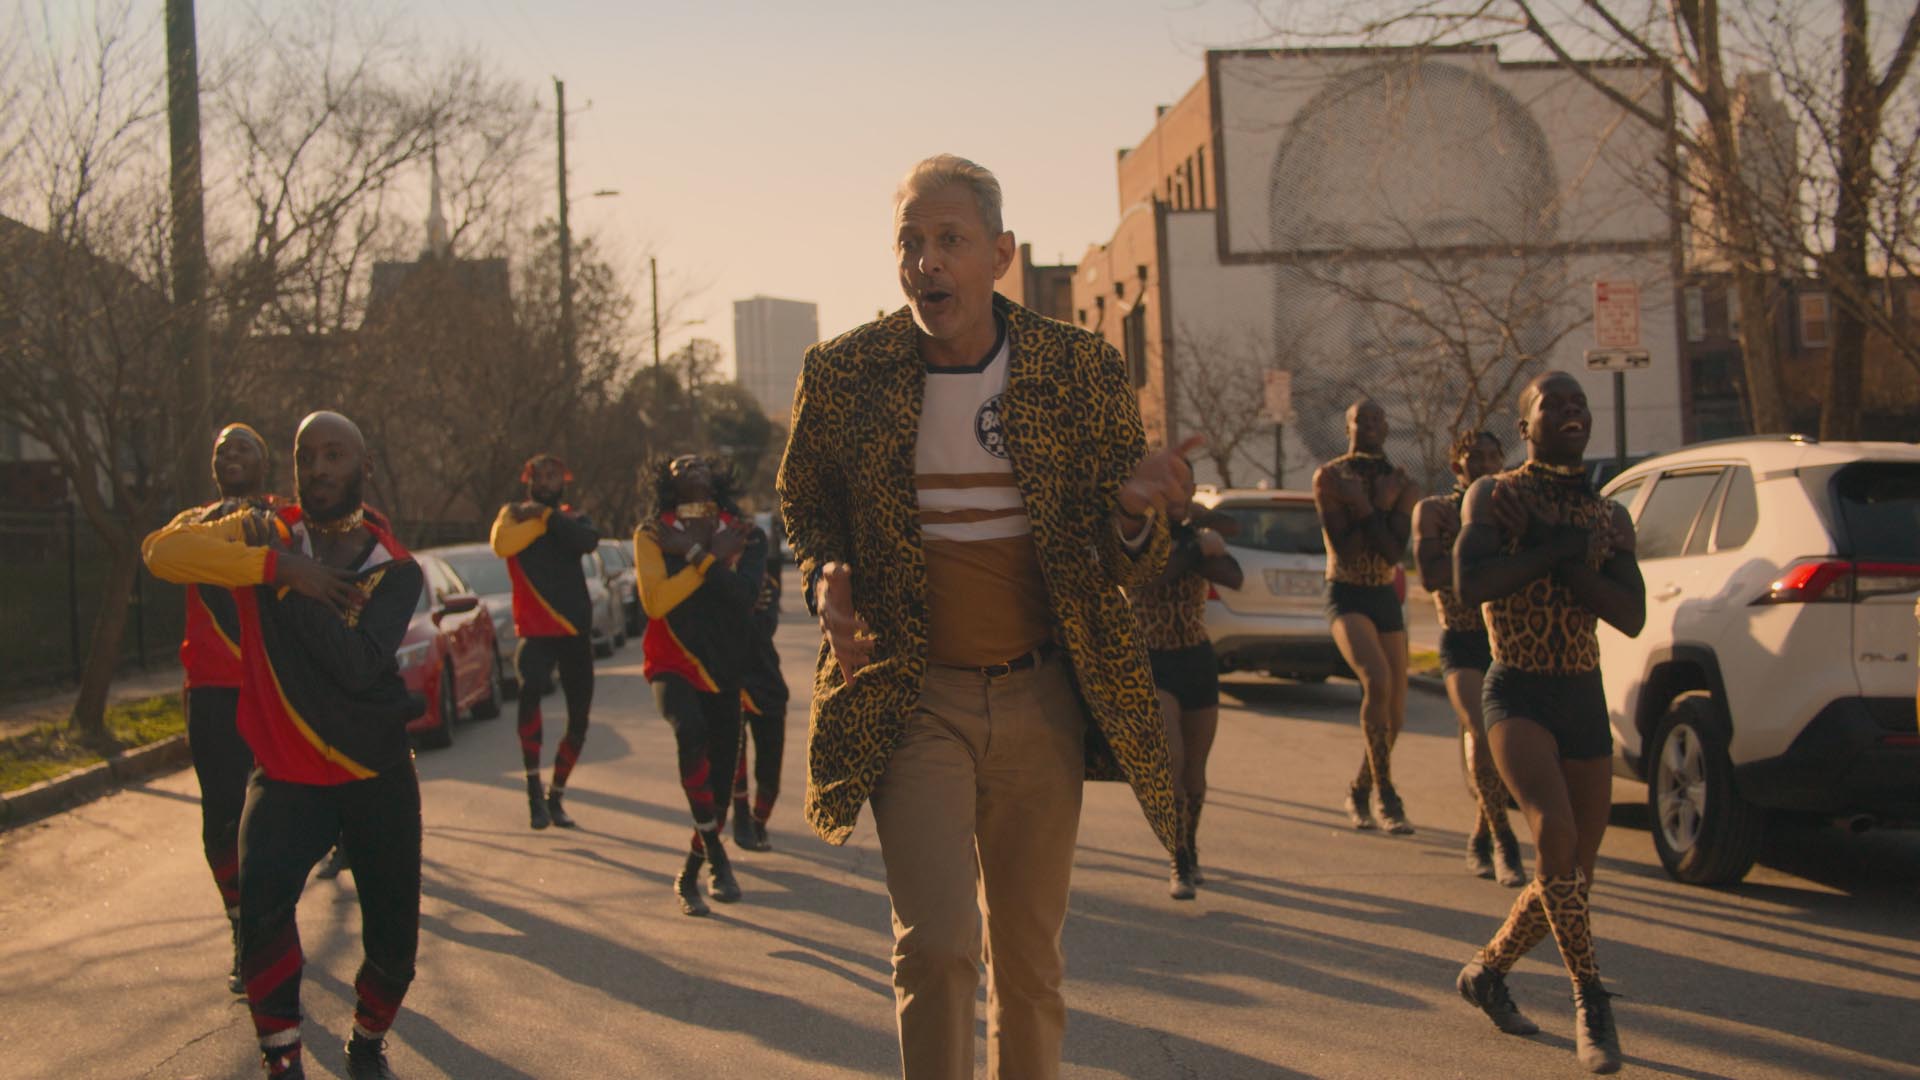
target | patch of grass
x=1423, y=662
x=52, y=748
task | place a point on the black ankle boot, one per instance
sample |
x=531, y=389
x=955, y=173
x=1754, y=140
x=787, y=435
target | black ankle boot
x=1480, y=855
x=558, y=813
x=686, y=886
x=1180, y=881
x=537, y=804
x=1487, y=988
x=1596, y=1041
x=367, y=1059
x=744, y=827
x=1507, y=869
x=720, y=881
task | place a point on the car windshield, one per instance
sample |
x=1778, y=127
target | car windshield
x=1880, y=503
x=484, y=572
x=1285, y=528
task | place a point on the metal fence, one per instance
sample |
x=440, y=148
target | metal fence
x=53, y=571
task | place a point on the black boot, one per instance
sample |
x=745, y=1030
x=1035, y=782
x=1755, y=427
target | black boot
x=1480, y=855
x=1487, y=988
x=686, y=886
x=1506, y=861
x=557, y=812
x=720, y=883
x=537, y=804
x=1596, y=1041
x=744, y=827
x=1180, y=882
x=367, y=1059
x=236, y=984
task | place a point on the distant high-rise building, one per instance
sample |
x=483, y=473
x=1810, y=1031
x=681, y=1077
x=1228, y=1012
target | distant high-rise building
x=770, y=337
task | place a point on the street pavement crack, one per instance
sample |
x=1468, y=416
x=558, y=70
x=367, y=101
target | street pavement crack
x=188, y=1045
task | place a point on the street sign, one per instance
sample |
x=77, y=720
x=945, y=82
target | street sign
x=1617, y=359
x=1616, y=314
x=1279, y=385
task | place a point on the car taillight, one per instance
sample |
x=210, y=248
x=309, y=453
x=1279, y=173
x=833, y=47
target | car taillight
x=1840, y=582
x=1212, y=593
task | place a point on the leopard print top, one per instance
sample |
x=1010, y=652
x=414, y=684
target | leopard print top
x=1542, y=628
x=1369, y=567
x=1172, y=615
x=1455, y=615
x=1071, y=426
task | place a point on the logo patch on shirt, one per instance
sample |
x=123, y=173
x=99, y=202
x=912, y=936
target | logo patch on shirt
x=988, y=429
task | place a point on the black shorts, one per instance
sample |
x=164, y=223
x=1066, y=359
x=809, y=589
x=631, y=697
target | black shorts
x=1191, y=675
x=1379, y=603
x=1573, y=708
x=1465, y=650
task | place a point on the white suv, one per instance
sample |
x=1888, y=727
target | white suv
x=1776, y=670
x=1276, y=621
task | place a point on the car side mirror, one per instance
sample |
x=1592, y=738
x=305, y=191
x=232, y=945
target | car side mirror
x=457, y=604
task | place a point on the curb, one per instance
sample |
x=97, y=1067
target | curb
x=1431, y=684
x=85, y=785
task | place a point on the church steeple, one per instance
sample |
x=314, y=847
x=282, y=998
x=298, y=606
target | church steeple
x=438, y=246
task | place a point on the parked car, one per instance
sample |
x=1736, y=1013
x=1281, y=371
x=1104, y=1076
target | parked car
x=448, y=655
x=1276, y=621
x=486, y=575
x=617, y=559
x=609, y=621
x=1776, y=670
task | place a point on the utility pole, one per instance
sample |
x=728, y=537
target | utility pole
x=189, y=246
x=566, y=236
x=653, y=272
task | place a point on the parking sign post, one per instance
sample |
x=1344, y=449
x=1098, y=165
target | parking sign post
x=1279, y=406
x=1616, y=335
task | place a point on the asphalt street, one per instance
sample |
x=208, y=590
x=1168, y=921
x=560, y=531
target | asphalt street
x=1313, y=951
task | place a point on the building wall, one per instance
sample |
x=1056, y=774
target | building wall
x=1045, y=289
x=1121, y=279
x=1174, y=163
x=770, y=339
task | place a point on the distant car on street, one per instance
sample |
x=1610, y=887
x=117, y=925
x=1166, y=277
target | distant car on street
x=616, y=559
x=1276, y=621
x=609, y=618
x=486, y=574
x=1776, y=670
x=449, y=655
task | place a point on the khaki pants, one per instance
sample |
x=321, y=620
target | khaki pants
x=977, y=812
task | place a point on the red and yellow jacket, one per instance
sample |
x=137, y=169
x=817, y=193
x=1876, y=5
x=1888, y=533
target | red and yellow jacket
x=321, y=699
x=699, y=615
x=210, y=646
x=543, y=559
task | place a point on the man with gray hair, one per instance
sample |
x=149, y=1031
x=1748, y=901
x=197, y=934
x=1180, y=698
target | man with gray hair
x=967, y=489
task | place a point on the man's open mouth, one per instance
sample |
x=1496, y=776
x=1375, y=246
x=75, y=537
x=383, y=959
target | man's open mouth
x=934, y=296
x=1574, y=427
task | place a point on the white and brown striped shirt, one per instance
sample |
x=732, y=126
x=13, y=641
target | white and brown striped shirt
x=986, y=597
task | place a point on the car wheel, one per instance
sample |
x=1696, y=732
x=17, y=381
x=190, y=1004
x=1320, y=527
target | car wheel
x=489, y=707
x=1705, y=833
x=442, y=737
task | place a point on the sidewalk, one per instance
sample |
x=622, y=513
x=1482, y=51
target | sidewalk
x=91, y=781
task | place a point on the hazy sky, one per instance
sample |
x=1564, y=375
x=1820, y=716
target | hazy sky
x=756, y=145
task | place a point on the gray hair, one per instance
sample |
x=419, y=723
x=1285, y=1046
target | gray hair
x=944, y=170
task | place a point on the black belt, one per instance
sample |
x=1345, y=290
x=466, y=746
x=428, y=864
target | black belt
x=1018, y=663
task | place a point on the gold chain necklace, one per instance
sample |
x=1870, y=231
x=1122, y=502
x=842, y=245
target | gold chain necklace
x=339, y=526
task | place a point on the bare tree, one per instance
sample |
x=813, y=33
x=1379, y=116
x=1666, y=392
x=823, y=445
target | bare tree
x=1217, y=388
x=1861, y=182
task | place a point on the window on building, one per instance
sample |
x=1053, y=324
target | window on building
x=1695, y=306
x=1813, y=320
x=1200, y=175
x=1133, y=330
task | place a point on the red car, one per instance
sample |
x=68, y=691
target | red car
x=449, y=655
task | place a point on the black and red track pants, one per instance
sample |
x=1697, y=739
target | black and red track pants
x=221, y=762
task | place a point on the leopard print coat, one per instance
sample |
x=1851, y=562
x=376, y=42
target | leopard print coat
x=847, y=494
